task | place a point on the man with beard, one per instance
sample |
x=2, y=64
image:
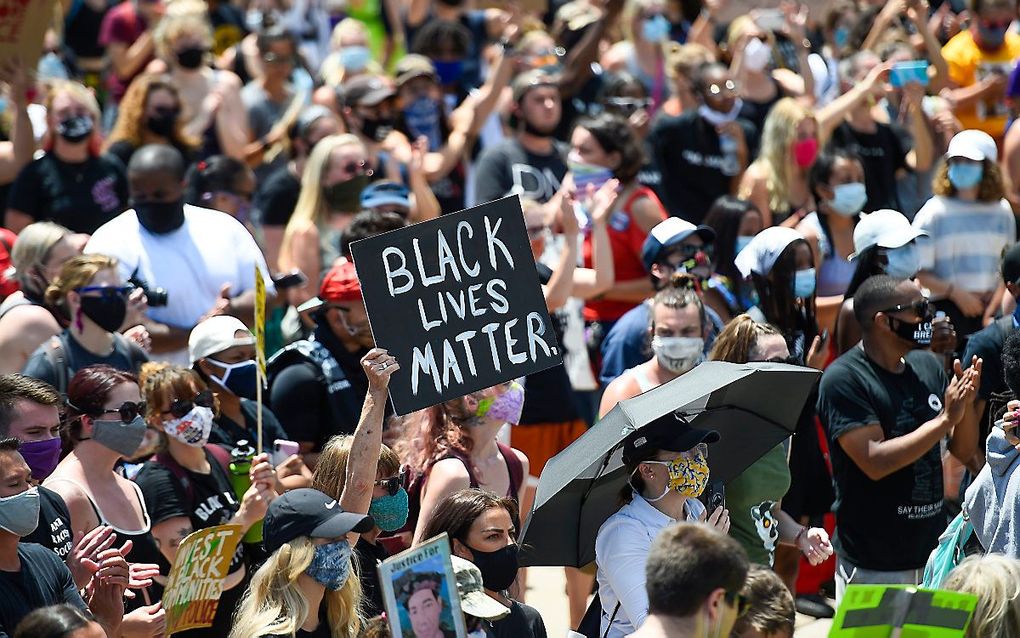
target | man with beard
x=204, y=259
x=530, y=163
x=886, y=407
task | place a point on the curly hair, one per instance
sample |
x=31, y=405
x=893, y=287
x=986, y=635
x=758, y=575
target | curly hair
x=995, y=579
x=992, y=188
x=130, y=125
x=443, y=431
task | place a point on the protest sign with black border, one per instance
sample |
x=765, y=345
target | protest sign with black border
x=457, y=301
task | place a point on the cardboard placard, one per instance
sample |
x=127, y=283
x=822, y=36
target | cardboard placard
x=23, y=25
x=420, y=592
x=876, y=611
x=457, y=301
x=195, y=582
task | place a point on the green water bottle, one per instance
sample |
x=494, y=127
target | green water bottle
x=240, y=466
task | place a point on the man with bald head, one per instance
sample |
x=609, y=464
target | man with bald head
x=887, y=404
x=204, y=259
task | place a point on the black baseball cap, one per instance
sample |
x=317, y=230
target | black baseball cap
x=308, y=512
x=665, y=433
x=367, y=90
x=1011, y=265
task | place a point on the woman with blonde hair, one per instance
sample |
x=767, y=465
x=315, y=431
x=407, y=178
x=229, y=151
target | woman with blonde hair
x=72, y=184
x=335, y=175
x=149, y=113
x=777, y=182
x=309, y=579
x=212, y=108
x=350, y=54
x=91, y=293
x=995, y=580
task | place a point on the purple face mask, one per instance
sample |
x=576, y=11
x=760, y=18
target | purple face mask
x=506, y=407
x=42, y=456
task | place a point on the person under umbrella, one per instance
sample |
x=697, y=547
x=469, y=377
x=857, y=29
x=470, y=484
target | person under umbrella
x=667, y=463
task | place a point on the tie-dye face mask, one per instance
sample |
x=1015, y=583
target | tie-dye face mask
x=688, y=473
x=506, y=407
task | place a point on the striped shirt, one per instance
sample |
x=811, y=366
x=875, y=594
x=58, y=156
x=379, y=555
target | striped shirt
x=965, y=240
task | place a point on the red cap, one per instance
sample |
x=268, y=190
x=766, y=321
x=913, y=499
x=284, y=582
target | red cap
x=341, y=284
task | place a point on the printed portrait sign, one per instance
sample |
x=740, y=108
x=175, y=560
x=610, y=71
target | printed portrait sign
x=875, y=611
x=420, y=592
x=195, y=582
x=457, y=301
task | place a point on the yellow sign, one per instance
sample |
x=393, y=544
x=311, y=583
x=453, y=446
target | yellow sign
x=195, y=582
x=260, y=323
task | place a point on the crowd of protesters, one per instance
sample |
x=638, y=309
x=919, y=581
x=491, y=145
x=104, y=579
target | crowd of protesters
x=834, y=186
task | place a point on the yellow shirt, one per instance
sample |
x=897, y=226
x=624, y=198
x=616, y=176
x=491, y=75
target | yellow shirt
x=968, y=64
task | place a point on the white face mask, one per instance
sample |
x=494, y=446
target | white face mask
x=678, y=354
x=756, y=55
x=193, y=428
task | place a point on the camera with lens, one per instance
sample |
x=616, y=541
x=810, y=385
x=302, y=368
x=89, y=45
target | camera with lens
x=156, y=297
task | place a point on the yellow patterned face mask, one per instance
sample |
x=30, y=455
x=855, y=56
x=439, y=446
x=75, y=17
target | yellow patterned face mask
x=688, y=473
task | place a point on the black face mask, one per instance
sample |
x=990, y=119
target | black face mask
x=190, y=58
x=377, y=129
x=918, y=334
x=164, y=122
x=160, y=217
x=107, y=312
x=345, y=197
x=499, y=568
x=75, y=129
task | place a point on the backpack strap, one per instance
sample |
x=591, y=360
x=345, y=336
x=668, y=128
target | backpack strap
x=220, y=455
x=57, y=358
x=169, y=462
x=1005, y=326
x=515, y=468
x=136, y=355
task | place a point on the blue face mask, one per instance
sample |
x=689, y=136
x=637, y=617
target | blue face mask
x=331, y=565
x=964, y=175
x=841, y=36
x=655, y=29
x=903, y=262
x=804, y=283
x=449, y=71
x=240, y=378
x=422, y=118
x=355, y=58
x=848, y=199
x=389, y=512
x=742, y=242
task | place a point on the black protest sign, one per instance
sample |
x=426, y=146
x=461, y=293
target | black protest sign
x=457, y=301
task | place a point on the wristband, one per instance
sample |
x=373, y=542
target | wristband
x=796, y=541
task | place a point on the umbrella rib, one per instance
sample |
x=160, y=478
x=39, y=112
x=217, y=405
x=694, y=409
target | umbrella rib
x=685, y=415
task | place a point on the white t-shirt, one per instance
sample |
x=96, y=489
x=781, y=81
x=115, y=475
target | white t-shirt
x=192, y=263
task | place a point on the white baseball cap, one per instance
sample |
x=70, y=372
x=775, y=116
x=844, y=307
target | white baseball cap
x=885, y=228
x=216, y=334
x=761, y=254
x=973, y=145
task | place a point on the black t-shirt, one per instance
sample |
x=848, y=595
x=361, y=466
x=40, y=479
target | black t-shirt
x=882, y=154
x=686, y=150
x=523, y=622
x=509, y=169
x=125, y=356
x=276, y=198
x=369, y=556
x=54, y=530
x=226, y=433
x=987, y=344
x=81, y=197
x=894, y=523
x=44, y=580
x=548, y=395
x=81, y=29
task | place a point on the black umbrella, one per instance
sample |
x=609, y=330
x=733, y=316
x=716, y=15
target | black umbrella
x=753, y=406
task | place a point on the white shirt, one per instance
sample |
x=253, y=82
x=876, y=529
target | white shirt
x=193, y=263
x=621, y=551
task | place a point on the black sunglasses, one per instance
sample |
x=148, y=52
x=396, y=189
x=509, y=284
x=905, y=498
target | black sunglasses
x=128, y=411
x=106, y=292
x=922, y=308
x=394, y=483
x=179, y=408
x=737, y=599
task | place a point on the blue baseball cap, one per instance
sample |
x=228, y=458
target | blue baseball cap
x=385, y=193
x=669, y=233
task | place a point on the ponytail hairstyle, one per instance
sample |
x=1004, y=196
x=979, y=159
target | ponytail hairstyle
x=738, y=341
x=219, y=173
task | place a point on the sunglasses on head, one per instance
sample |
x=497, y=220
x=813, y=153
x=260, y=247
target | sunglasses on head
x=179, y=407
x=922, y=308
x=394, y=483
x=128, y=411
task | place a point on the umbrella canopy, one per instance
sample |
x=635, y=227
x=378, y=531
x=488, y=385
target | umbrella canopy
x=754, y=407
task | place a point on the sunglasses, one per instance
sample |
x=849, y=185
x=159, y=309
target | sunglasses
x=627, y=105
x=179, y=408
x=995, y=26
x=353, y=168
x=128, y=411
x=921, y=308
x=737, y=600
x=394, y=483
x=106, y=292
x=729, y=86
x=791, y=360
x=272, y=58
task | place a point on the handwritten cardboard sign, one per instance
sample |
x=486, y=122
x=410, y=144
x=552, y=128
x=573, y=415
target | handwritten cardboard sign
x=195, y=582
x=420, y=592
x=22, y=27
x=457, y=301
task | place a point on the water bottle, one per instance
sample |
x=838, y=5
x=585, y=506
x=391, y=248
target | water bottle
x=240, y=466
x=731, y=164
